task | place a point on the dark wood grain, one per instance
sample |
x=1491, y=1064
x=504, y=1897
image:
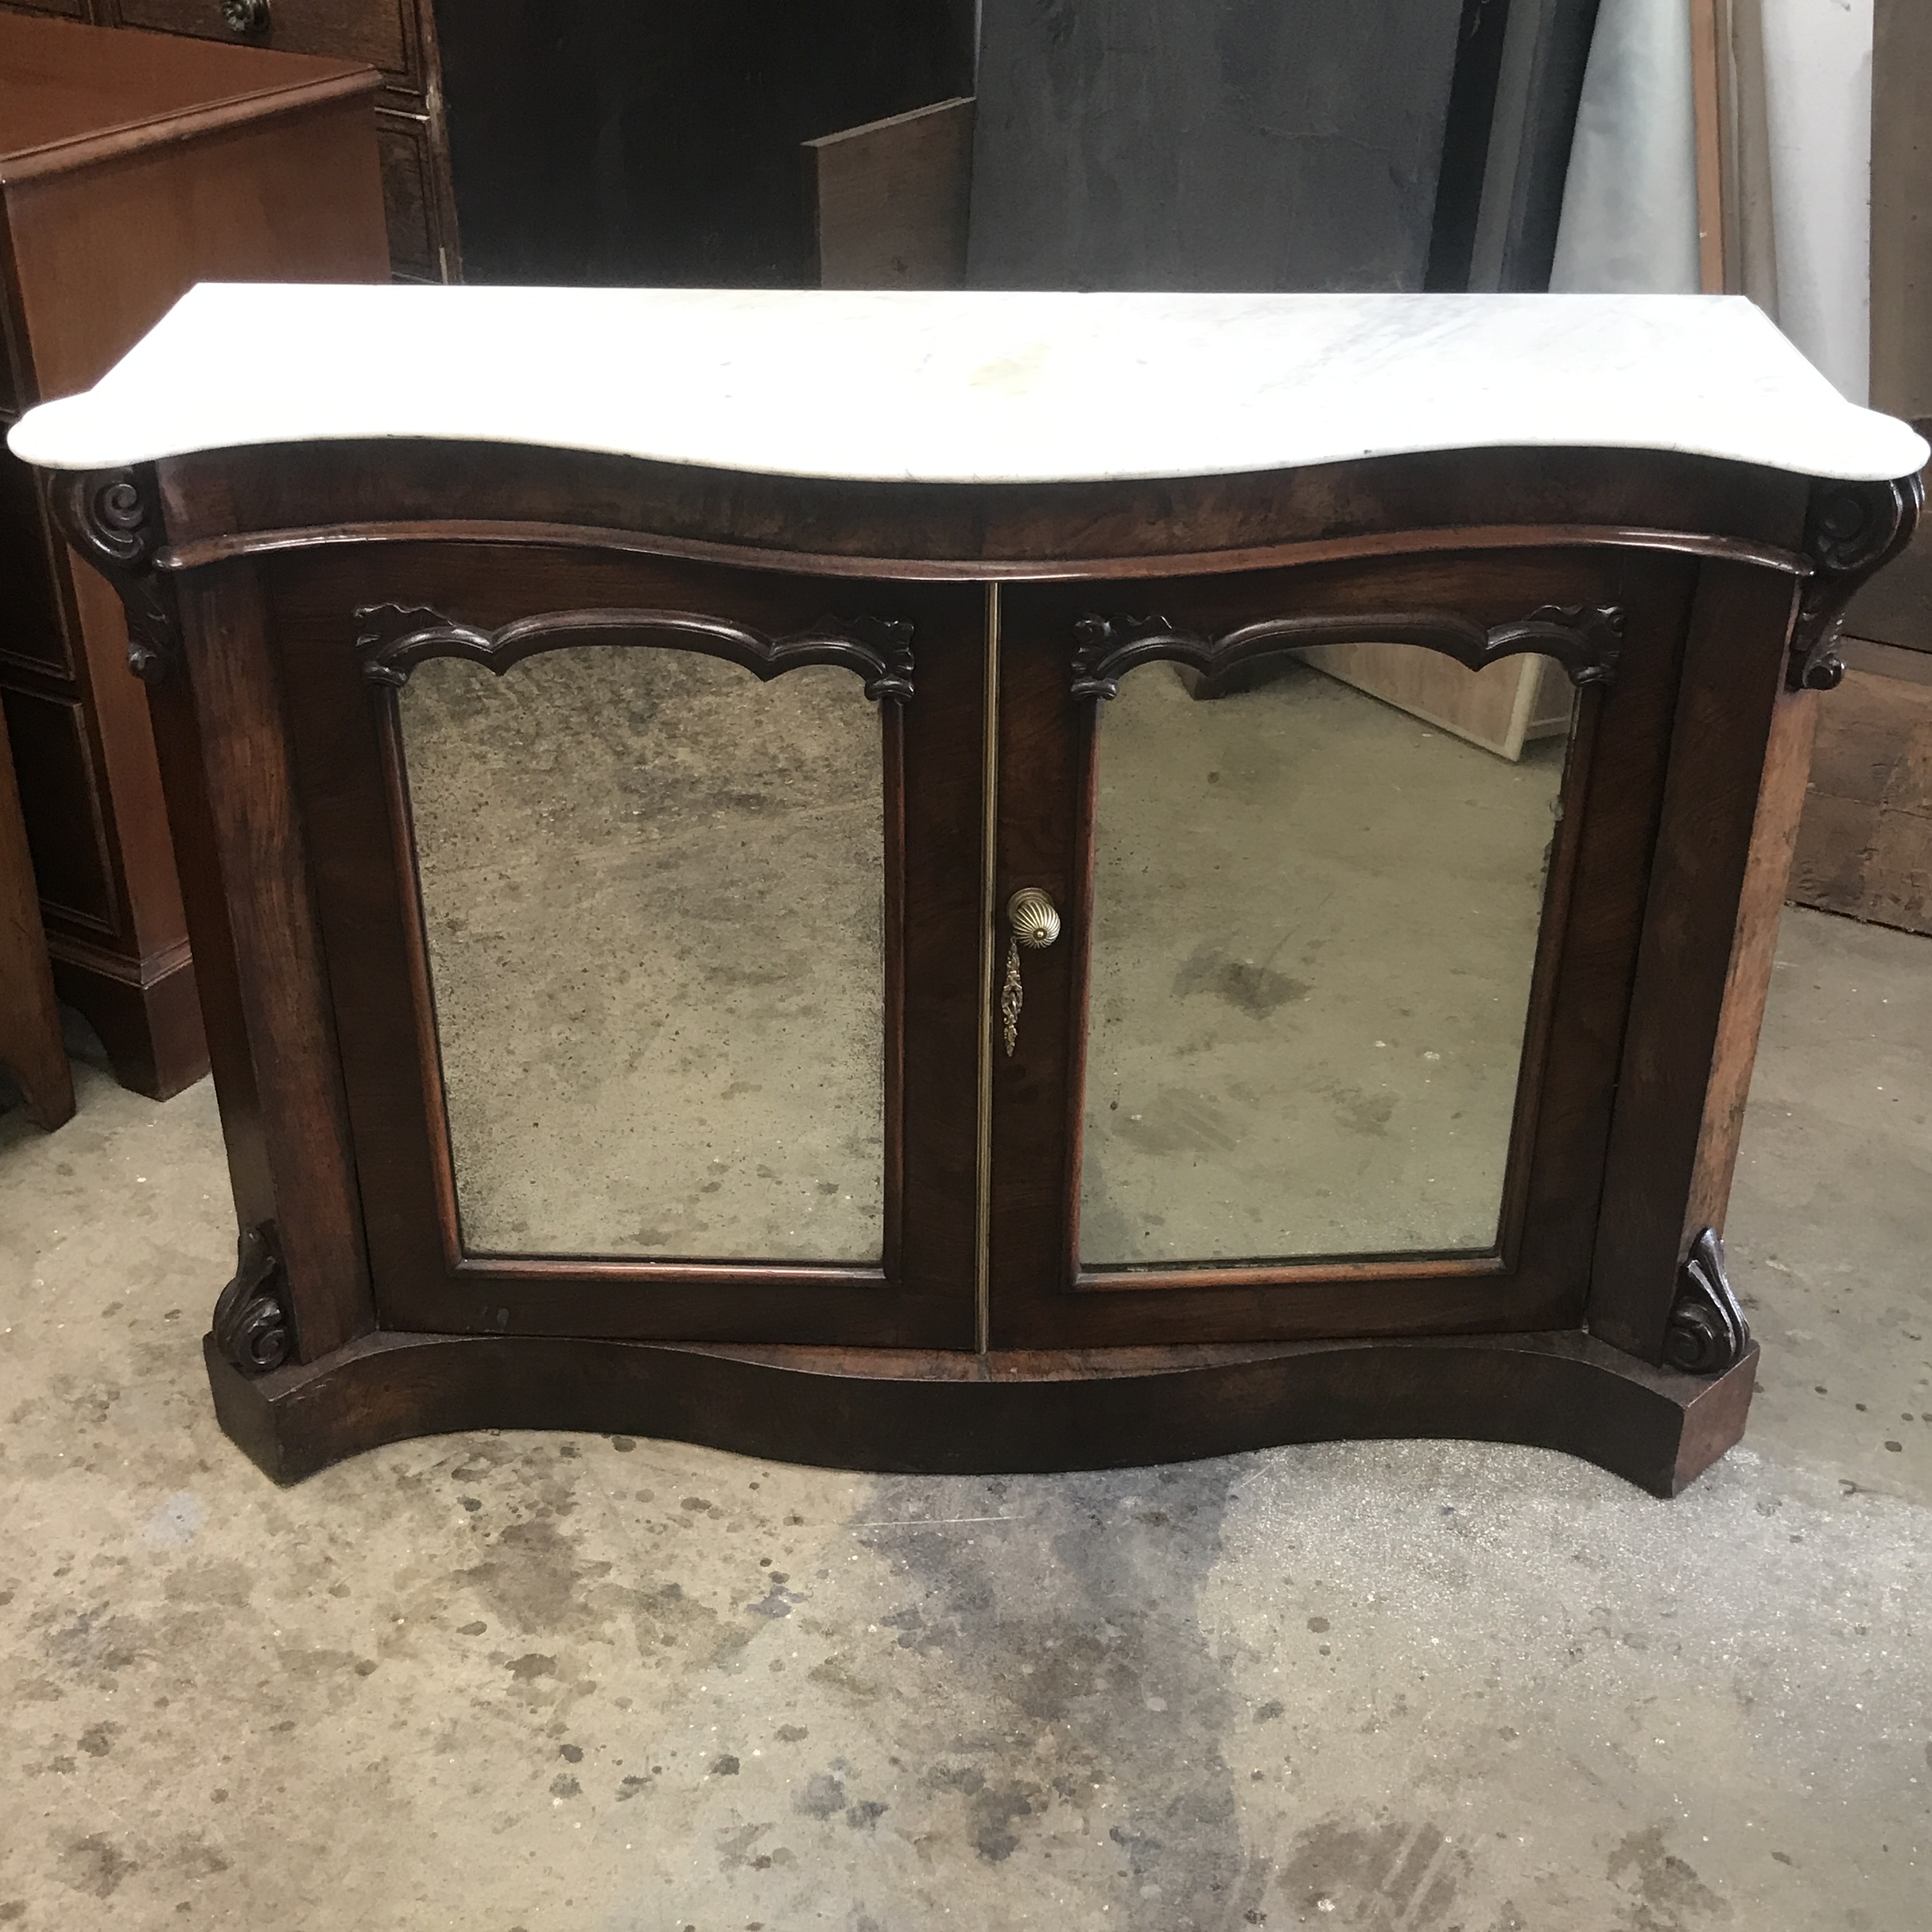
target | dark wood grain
x=350, y=781
x=359, y=494
x=282, y=770
x=262, y=851
x=1780, y=802
x=1719, y=741
x=30, y=1030
x=361, y=30
x=1008, y=1413
x=1594, y=900
x=216, y=971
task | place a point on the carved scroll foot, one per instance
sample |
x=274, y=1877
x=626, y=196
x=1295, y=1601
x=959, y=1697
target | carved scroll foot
x=1707, y=1333
x=251, y=1322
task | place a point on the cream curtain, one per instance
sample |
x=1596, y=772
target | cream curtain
x=1629, y=201
x=1750, y=227
x=1818, y=58
x=1789, y=134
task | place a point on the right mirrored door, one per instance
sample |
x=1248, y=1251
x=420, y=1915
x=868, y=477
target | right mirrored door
x=1318, y=884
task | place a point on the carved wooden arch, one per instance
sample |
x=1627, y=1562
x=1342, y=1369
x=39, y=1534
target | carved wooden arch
x=1584, y=639
x=395, y=638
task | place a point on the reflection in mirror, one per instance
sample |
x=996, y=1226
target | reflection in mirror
x=1315, y=923
x=653, y=889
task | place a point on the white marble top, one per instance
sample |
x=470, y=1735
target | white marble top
x=967, y=387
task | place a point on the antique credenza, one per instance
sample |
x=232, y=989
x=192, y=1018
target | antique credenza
x=785, y=880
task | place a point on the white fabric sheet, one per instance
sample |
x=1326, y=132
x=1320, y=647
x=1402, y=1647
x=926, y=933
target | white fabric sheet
x=1630, y=201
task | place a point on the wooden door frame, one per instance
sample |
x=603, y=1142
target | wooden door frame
x=1538, y=1275
x=340, y=665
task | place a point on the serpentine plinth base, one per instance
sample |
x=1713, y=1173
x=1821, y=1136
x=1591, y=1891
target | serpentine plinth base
x=936, y=1413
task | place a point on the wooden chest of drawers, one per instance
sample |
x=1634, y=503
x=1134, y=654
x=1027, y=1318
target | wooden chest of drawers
x=132, y=166
x=396, y=36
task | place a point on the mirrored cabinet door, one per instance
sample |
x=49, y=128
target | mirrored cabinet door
x=679, y=866
x=1311, y=838
x=653, y=894
x=1315, y=925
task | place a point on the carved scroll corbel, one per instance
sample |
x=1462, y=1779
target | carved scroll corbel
x=395, y=638
x=1707, y=1333
x=1585, y=639
x=251, y=1324
x=112, y=518
x=1854, y=529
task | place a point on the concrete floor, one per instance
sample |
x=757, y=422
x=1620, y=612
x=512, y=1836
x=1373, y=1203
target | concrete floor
x=583, y=1684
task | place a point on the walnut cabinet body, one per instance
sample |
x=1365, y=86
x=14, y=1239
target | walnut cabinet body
x=280, y=595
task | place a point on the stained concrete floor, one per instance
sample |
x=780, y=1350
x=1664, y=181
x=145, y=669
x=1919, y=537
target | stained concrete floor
x=582, y=1684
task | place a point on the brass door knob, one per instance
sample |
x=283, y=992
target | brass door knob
x=1033, y=917
x=245, y=17
x=1034, y=921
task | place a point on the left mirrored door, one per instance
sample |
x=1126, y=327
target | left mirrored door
x=655, y=911
x=671, y=854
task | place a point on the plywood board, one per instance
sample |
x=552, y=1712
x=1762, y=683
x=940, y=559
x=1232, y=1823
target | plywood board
x=1865, y=847
x=889, y=199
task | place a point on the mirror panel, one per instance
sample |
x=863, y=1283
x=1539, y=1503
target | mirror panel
x=653, y=893
x=1314, y=925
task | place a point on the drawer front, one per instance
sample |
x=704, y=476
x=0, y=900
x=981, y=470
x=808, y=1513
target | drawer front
x=60, y=799
x=409, y=197
x=33, y=633
x=64, y=10
x=364, y=30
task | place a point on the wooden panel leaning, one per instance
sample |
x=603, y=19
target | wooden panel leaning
x=550, y=774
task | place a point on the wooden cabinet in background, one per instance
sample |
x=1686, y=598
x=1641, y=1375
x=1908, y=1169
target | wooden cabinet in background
x=133, y=166
x=396, y=36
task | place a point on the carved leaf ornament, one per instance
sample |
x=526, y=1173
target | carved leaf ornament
x=1855, y=528
x=395, y=638
x=1585, y=639
x=111, y=518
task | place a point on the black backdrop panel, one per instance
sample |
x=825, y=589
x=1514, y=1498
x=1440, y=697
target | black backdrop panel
x=1209, y=144
x=606, y=141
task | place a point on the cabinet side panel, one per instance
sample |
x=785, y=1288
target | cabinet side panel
x=1721, y=742
x=1780, y=804
x=198, y=863
x=283, y=980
